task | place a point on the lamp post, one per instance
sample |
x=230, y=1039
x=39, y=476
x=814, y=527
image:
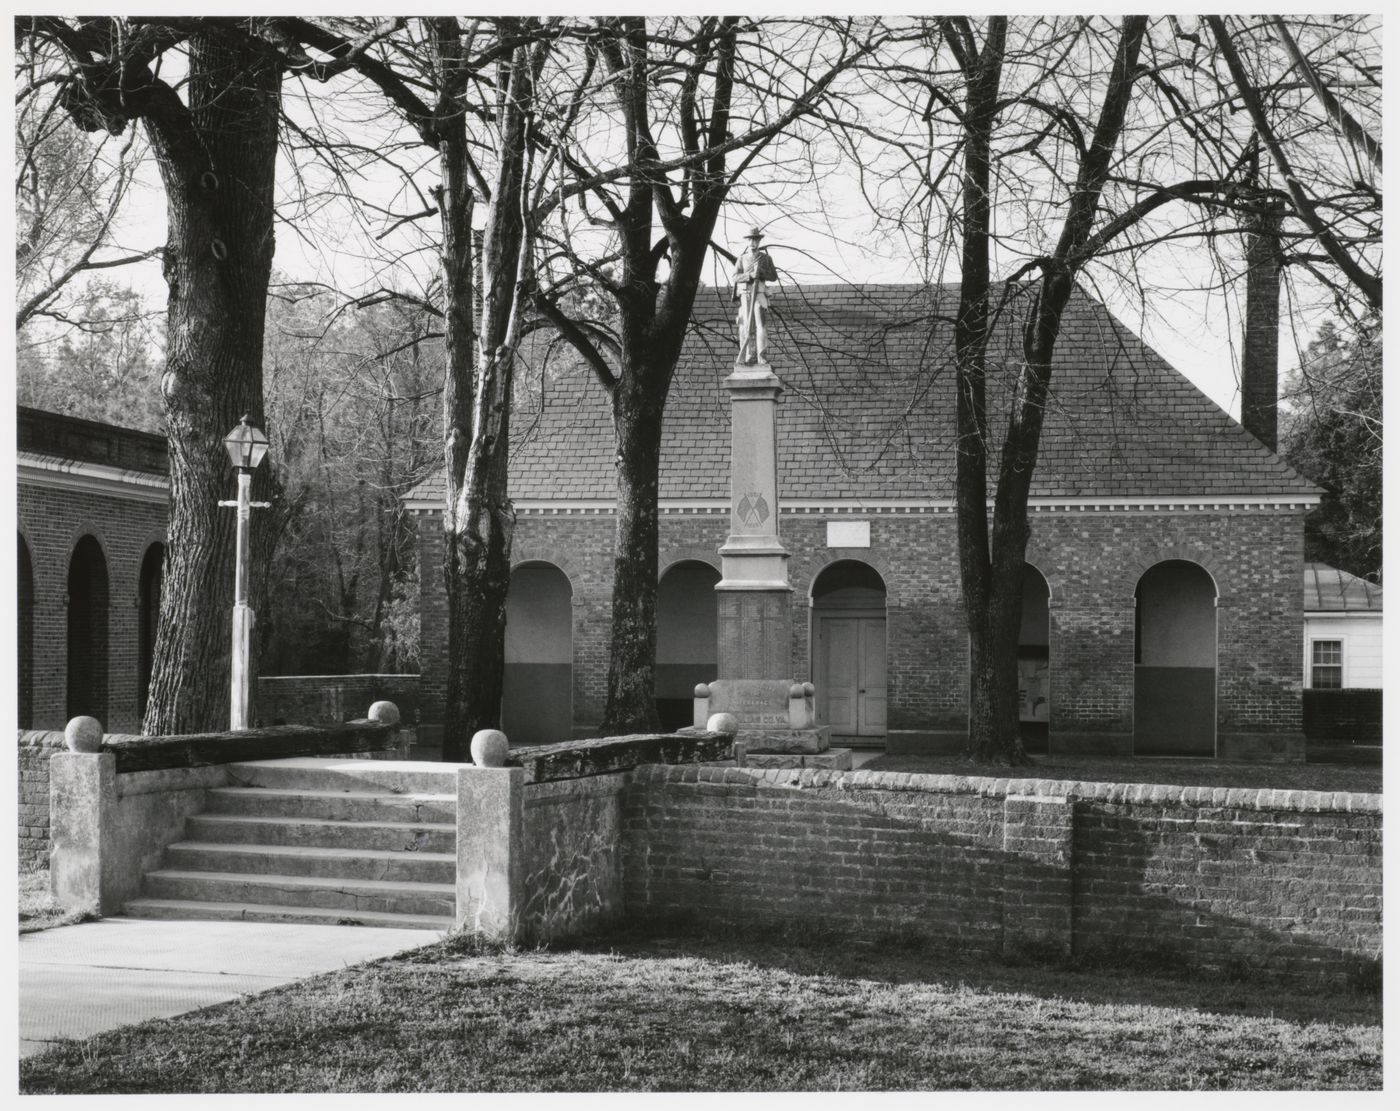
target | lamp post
x=246, y=445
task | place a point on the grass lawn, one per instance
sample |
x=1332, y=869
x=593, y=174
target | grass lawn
x=1185, y=773
x=37, y=910
x=641, y=1011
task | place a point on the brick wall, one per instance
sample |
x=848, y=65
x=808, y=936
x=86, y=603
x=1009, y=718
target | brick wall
x=1252, y=877
x=1284, y=881
x=312, y=699
x=572, y=848
x=1091, y=560
x=51, y=522
x=35, y=748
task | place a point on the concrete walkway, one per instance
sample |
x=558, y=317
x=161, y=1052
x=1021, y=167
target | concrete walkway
x=76, y=981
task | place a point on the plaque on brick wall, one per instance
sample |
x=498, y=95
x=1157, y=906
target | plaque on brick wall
x=848, y=534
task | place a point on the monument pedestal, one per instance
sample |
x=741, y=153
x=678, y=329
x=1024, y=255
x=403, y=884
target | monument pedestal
x=777, y=717
x=755, y=633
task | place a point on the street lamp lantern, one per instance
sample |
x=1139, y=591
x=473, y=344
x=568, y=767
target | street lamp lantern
x=246, y=445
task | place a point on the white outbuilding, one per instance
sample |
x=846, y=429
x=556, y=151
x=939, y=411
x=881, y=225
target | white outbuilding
x=1341, y=629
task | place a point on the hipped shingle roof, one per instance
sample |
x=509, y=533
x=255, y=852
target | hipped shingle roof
x=868, y=409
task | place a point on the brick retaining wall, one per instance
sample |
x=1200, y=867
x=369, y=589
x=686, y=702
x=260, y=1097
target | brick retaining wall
x=1290, y=881
x=35, y=748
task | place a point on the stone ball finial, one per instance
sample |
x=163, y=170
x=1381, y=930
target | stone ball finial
x=808, y=690
x=489, y=748
x=702, y=690
x=796, y=691
x=723, y=723
x=386, y=713
x=83, y=734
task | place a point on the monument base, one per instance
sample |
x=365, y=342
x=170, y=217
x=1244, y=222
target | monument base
x=833, y=759
x=802, y=741
x=775, y=716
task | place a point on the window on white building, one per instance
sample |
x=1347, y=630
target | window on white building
x=1326, y=664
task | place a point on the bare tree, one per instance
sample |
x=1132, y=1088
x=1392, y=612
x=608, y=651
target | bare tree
x=692, y=104
x=214, y=137
x=1077, y=145
x=353, y=402
x=1344, y=202
x=69, y=189
x=468, y=89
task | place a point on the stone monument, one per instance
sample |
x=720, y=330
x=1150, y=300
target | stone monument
x=777, y=717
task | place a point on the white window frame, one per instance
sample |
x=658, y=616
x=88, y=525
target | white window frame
x=1329, y=638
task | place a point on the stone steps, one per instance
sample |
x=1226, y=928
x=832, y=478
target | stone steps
x=300, y=860
x=319, y=773
x=252, y=829
x=317, y=839
x=342, y=806
x=333, y=892
x=187, y=909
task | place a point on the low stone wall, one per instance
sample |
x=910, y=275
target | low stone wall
x=572, y=856
x=1289, y=881
x=319, y=699
x=35, y=748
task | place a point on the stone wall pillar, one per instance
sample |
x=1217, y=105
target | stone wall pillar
x=1038, y=879
x=82, y=820
x=490, y=851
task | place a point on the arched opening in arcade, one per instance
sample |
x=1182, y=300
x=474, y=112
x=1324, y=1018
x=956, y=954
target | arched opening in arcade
x=687, y=622
x=1033, y=661
x=537, y=705
x=849, y=652
x=88, y=602
x=147, y=614
x=1175, y=661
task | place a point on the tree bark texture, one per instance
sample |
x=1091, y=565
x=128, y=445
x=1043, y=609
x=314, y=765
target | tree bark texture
x=217, y=161
x=480, y=518
x=638, y=406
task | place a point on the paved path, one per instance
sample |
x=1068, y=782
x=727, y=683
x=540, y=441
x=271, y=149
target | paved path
x=76, y=981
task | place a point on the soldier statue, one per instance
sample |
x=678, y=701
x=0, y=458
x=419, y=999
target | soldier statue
x=753, y=270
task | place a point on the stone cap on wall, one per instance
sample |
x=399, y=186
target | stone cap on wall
x=1235, y=798
x=601, y=756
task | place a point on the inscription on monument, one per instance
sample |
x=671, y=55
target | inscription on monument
x=755, y=702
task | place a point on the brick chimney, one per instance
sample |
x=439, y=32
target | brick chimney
x=1259, y=377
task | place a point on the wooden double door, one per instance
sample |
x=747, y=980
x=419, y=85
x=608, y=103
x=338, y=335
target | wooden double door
x=850, y=673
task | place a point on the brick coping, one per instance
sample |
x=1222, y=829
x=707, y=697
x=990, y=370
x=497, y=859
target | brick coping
x=1240, y=798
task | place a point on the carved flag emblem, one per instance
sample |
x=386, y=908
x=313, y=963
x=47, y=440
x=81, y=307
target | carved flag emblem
x=752, y=509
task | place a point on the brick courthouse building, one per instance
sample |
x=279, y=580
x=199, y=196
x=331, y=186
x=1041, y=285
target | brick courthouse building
x=1161, y=610
x=92, y=508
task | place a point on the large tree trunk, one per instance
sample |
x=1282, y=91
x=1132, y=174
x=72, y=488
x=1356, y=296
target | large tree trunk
x=991, y=595
x=480, y=519
x=219, y=187
x=638, y=405
x=993, y=731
